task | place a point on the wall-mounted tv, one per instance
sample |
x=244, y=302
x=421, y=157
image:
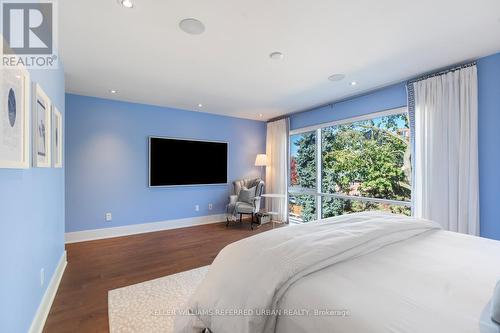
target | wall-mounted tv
x=181, y=162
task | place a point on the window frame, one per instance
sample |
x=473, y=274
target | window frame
x=317, y=192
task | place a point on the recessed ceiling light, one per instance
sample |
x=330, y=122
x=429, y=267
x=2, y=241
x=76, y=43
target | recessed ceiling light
x=276, y=55
x=353, y=83
x=260, y=115
x=200, y=105
x=336, y=77
x=113, y=91
x=192, y=26
x=126, y=3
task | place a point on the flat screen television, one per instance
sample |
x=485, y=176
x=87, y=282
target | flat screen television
x=180, y=162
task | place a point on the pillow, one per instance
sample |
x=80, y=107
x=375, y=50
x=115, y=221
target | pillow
x=238, y=184
x=495, y=304
x=247, y=194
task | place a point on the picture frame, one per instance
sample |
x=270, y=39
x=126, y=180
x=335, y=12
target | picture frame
x=15, y=118
x=42, y=119
x=57, y=138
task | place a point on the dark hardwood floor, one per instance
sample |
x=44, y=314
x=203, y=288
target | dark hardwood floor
x=95, y=267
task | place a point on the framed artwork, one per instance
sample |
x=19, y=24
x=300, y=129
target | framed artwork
x=14, y=118
x=42, y=114
x=57, y=138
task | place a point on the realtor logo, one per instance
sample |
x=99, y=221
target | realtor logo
x=27, y=27
x=28, y=34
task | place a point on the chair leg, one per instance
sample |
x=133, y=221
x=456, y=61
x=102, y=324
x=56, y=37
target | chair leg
x=240, y=218
x=227, y=222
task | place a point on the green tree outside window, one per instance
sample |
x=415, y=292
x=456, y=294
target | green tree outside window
x=368, y=158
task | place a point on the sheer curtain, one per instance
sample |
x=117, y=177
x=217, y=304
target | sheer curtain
x=277, y=166
x=446, y=186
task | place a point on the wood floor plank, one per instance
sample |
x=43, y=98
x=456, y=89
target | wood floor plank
x=95, y=267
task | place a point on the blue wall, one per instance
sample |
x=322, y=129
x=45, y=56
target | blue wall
x=31, y=227
x=107, y=168
x=489, y=145
x=384, y=99
x=488, y=121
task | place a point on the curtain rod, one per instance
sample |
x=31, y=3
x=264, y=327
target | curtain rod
x=280, y=117
x=336, y=101
x=442, y=72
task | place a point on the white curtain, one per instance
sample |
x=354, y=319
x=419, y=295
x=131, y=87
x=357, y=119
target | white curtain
x=277, y=166
x=446, y=186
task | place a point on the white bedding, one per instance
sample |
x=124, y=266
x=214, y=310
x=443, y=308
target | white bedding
x=391, y=273
x=438, y=282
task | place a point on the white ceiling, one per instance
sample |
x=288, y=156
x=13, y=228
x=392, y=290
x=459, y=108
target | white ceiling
x=143, y=54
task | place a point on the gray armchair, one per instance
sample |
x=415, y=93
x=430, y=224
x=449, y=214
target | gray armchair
x=238, y=205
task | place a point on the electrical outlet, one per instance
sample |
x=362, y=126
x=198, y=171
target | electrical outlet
x=109, y=217
x=42, y=277
x=197, y=208
x=210, y=206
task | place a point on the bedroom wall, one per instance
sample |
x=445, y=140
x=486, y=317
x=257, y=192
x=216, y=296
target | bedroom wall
x=31, y=227
x=107, y=161
x=489, y=144
x=383, y=99
x=489, y=136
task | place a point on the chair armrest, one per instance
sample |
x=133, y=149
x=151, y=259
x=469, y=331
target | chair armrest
x=256, y=203
x=232, y=199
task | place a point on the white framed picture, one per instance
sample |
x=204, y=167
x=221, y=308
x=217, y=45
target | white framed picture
x=57, y=138
x=42, y=114
x=15, y=125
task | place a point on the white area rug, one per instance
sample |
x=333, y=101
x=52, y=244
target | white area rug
x=147, y=307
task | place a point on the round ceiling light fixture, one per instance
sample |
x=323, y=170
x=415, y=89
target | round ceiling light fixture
x=192, y=26
x=336, y=77
x=113, y=91
x=353, y=83
x=200, y=105
x=276, y=55
x=126, y=3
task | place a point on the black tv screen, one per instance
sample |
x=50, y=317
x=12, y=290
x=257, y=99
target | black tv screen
x=175, y=162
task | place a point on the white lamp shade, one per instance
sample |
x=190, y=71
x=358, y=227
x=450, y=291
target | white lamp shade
x=261, y=160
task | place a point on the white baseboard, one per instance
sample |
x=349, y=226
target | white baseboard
x=87, y=235
x=44, y=308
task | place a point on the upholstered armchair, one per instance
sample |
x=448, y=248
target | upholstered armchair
x=244, y=199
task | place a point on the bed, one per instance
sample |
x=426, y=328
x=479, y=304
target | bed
x=366, y=272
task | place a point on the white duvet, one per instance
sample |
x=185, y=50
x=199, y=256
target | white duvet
x=386, y=273
x=437, y=282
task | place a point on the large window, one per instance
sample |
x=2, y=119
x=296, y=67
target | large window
x=351, y=166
